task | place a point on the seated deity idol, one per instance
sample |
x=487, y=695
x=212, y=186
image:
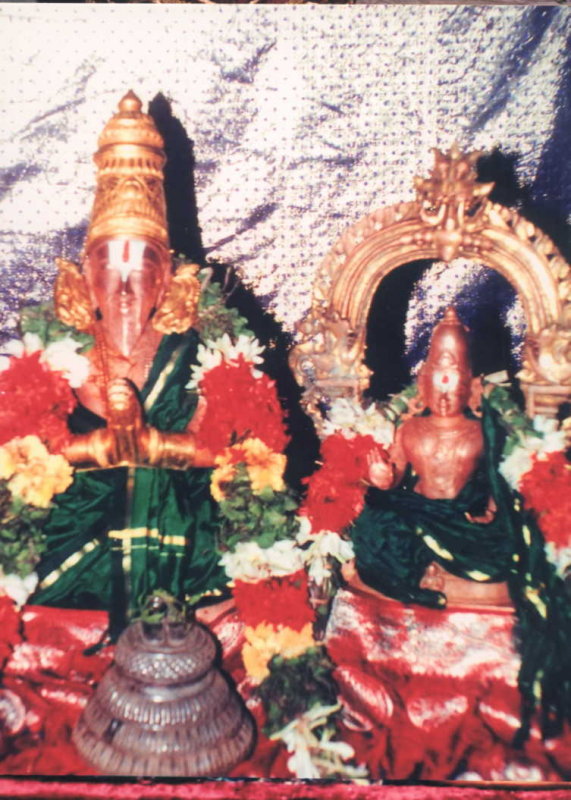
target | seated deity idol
x=138, y=516
x=436, y=455
x=441, y=525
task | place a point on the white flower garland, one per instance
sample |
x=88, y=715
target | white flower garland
x=215, y=351
x=351, y=419
x=312, y=756
x=59, y=356
x=519, y=462
x=19, y=589
x=251, y=563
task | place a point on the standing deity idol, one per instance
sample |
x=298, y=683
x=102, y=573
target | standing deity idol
x=138, y=516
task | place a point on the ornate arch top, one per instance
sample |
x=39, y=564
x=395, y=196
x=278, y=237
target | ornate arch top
x=451, y=217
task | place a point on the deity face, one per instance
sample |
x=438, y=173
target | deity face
x=446, y=376
x=446, y=389
x=126, y=278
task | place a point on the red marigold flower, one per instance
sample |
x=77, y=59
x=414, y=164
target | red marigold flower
x=240, y=405
x=283, y=601
x=348, y=454
x=331, y=503
x=546, y=488
x=34, y=400
x=335, y=493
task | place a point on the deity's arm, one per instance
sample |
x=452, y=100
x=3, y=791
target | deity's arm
x=127, y=441
x=175, y=450
x=385, y=473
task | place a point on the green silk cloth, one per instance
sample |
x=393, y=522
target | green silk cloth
x=400, y=532
x=118, y=534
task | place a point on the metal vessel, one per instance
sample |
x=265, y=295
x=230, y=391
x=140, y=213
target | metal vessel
x=163, y=708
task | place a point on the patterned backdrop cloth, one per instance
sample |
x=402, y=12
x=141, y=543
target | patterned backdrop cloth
x=283, y=126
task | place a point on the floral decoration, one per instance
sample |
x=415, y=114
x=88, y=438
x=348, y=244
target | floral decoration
x=32, y=473
x=34, y=399
x=37, y=376
x=240, y=404
x=268, y=551
x=535, y=465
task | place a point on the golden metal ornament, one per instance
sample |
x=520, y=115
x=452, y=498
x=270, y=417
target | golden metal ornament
x=71, y=297
x=451, y=217
x=178, y=310
x=129, y=198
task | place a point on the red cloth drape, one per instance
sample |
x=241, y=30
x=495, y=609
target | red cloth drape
x=427, y=695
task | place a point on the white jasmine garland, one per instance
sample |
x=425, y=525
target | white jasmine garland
x=19, y=589
x=250, y=562
x=324, y=546
x=350, y=418
x=314, y=757
x=29, y=343
x=520, y=460
x=60, y=356
x=212, y=354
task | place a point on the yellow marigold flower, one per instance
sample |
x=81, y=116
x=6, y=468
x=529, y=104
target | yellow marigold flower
x=224, y=473
x=265, y=468
x=36, y=475
x=7, y=463
x=265, y=641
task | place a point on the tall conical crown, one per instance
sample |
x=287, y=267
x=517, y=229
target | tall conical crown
x=129, y=198
x=449, y=336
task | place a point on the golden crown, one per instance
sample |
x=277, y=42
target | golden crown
x=129, y=198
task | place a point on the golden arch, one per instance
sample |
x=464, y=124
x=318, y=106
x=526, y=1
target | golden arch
x=451, y=217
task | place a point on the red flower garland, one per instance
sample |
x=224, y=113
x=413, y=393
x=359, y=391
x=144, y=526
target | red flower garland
x=546, y=488
x=336, y=492
x=34, y=400
x=239, y=405
x=281, y=601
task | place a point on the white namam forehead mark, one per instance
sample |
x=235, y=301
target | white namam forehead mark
x=445, y=379
x=125, y=255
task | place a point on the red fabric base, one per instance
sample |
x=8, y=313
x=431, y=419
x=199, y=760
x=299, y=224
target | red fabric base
x=432, y=694
x=427, y=695
x=259, y=790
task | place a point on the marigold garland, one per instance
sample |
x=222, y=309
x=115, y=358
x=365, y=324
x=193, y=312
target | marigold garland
x=547, y=489
x=33, y=474
x=267, y=640
x=35, y=400
x=284, y=601
x=240, y=405
x=336, y=492
x=265, y=468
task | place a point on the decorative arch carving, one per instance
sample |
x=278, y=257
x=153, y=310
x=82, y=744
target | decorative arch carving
x=451, y=217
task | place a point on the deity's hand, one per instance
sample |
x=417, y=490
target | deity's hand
x=91, y=449
x=125, y=423
x=174, y=450
x=381, y=471
x=127, y=441
x=122, y=441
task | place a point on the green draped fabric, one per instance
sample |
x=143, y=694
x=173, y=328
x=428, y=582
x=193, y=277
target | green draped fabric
x=400, y=532
x=117, y=534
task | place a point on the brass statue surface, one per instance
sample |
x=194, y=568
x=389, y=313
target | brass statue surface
x=127, y=297
x=443, y=448
x=451, y=217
